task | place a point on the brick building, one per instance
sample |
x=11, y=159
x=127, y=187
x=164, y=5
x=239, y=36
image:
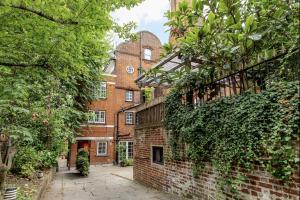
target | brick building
x=154, y=168
x=112, y=111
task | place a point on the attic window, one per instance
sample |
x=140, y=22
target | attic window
x=147, y=54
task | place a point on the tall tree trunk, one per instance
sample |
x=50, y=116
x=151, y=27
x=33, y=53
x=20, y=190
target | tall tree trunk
x=5, y=161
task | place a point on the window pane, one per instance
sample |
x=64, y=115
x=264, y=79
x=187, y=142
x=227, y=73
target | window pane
x=129, y=96
x=130, y=150
x=100, y=90
x=147, y=54
x=102, y=117
x=102, y=148
x=97, y=116
x=129, y=117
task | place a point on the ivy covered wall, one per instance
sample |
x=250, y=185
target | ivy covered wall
x=236, y=133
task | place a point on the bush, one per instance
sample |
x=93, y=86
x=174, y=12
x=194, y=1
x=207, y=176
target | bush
x=47, y=159
x=25, y=162
x=122, y=154
x=129, y=162
x=82, y=162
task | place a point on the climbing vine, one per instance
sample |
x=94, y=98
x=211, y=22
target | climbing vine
x=239, y=132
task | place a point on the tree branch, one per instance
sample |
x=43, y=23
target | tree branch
x=41, y=14
x=43, y=64
x=22, y=64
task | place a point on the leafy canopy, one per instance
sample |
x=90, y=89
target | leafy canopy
x=226, y=35
x=51, y=55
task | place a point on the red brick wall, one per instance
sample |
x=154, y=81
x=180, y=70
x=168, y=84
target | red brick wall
x=176, y=177
x=94, y=158
x=127, y=54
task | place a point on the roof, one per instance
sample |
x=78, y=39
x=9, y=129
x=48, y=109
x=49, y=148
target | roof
x=170, y=63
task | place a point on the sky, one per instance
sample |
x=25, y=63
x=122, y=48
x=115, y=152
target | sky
x=149, y=15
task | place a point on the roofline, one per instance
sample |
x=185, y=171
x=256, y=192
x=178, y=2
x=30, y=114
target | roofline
x=139, y=32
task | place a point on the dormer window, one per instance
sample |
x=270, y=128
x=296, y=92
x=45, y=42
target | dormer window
x=147, y=54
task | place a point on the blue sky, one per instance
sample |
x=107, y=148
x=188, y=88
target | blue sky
x=149, y=15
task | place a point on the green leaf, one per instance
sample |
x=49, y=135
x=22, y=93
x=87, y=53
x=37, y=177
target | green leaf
x=211, y=16
x=249, y=22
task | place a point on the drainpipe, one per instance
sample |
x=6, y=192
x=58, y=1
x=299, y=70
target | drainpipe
x=117, y=135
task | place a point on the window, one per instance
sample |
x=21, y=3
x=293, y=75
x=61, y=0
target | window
x=102, y=149
x=128, y=150
x=129, y=95
x=147, y=54
x=129, y=69
x=97, y=117
x=157, y=155
x=101, y=90
x=128, y=117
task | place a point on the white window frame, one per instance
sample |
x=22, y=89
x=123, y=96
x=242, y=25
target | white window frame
x=129, y=95
x=98, y=145
x=126, y=143
x=101, y=90
x=130, y=69
x=101, y=119
x=131, y=122
x=147, y=54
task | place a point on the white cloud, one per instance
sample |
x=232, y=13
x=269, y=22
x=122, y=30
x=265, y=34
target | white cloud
x=149, y=11
x=146, y=12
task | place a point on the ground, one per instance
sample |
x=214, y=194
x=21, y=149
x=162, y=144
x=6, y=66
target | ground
x=103, y=183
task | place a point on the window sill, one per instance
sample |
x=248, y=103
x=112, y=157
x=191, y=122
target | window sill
x=156, y=165
x=102, y=155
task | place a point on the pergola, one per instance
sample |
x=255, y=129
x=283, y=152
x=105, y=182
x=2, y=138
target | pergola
x=170, y=63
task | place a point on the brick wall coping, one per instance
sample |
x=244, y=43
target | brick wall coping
x=94, y=138
x=150, y=104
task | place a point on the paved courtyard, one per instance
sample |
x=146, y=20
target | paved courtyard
x=103, y=183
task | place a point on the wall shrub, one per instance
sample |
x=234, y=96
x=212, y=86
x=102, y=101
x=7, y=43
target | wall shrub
x=240, y=131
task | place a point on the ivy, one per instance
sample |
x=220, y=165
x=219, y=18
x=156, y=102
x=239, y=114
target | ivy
x=238, y=132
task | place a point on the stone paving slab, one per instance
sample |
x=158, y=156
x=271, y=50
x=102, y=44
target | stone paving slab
x=103, y=183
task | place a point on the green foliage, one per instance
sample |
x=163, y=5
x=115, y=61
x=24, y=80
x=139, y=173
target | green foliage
x=148, y=93
x=26, y=161
x=82, y=162
x=122, y=156
x=240, y=131
x=47, y=159
x=51, y=54
x=226, y=35
x=122, y=153
x=129, y=162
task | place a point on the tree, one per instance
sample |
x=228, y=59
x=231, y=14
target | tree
x=51, y=54
x=226, y=35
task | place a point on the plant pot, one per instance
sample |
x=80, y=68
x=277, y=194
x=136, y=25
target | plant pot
x=10, y=193
x=40, y=174
x=122, y=164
